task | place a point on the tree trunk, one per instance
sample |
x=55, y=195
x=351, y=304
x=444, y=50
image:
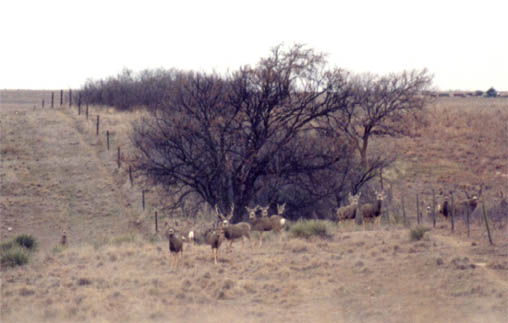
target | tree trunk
x=363, y=152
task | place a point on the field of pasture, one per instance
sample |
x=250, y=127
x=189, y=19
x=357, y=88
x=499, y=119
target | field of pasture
x=56, y=174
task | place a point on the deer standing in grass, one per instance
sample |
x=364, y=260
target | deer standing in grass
x=348, y=212
x=63, y=239
x=265, y=223
x=214, y=237
x=233, y=232
x=175, y=245
x=471, y=202
x=371, y=212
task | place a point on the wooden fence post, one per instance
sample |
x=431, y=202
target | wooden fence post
x=97, y=130
x=487, y=223
x=61, y=97
x=87, y=112
x=468, y=213
x=79, y=100
x=381, y=179
x=43, y=103
x=417, y=209
x=143, y=199
x=70, y=98
x=52, y=99
x=433, y=208
x=404, y=211
x=107, y=139
x=118, y=158
x=452, y=213
x=156, y=224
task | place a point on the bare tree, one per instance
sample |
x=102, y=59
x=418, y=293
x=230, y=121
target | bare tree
x=228, y=138
x=383, y=106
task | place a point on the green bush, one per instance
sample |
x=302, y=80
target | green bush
x=5, y=246
x=26, y=241
x=16, y=252
x=15, y=256
x=417, y=233
x=310, y=228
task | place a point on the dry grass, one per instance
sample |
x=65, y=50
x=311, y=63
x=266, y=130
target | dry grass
x=56, y=174
x=464, y=143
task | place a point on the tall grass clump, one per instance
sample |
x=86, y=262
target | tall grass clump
x=17, y=251
x=417, y=233
x=16, y=256
x=27, y=241
x=312, y=228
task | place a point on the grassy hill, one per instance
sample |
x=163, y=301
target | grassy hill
x=56, y=174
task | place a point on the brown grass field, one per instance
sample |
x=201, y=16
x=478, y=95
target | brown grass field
x=56, y=174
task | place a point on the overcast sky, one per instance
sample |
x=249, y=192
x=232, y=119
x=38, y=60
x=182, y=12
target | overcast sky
x=60, y=44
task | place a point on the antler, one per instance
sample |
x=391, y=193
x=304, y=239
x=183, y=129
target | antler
x=231, y=213
x=218, y=213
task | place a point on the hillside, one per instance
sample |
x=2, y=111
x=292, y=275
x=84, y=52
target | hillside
x=56, y=174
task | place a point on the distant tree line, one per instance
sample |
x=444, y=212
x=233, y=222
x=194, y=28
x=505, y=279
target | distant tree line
x=148, y=88
x=289, y=129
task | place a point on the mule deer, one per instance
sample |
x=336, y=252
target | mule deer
x=348, y=212
x=471, y=202
x=233, y=231
x=265, y=223
x=214, y=237
x=63, y=240
x=175, y=245
x=372, y=211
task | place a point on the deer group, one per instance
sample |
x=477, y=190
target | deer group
x=461, y=207
x=228, y=232
x=368, y=212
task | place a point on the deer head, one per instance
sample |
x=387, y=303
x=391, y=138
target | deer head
x=252, y=211
x=281, y=209
x=264, y=211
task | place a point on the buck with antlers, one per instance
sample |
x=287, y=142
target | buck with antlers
x=233, y=232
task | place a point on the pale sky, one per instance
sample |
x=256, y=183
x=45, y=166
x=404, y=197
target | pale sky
x=60, y=44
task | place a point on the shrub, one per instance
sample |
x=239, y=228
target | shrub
x=17, y=251
x=417, y=233
x=491, y=93
x=309, y=228
x=5, y=246
x=15, y=256
x=26, y=241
